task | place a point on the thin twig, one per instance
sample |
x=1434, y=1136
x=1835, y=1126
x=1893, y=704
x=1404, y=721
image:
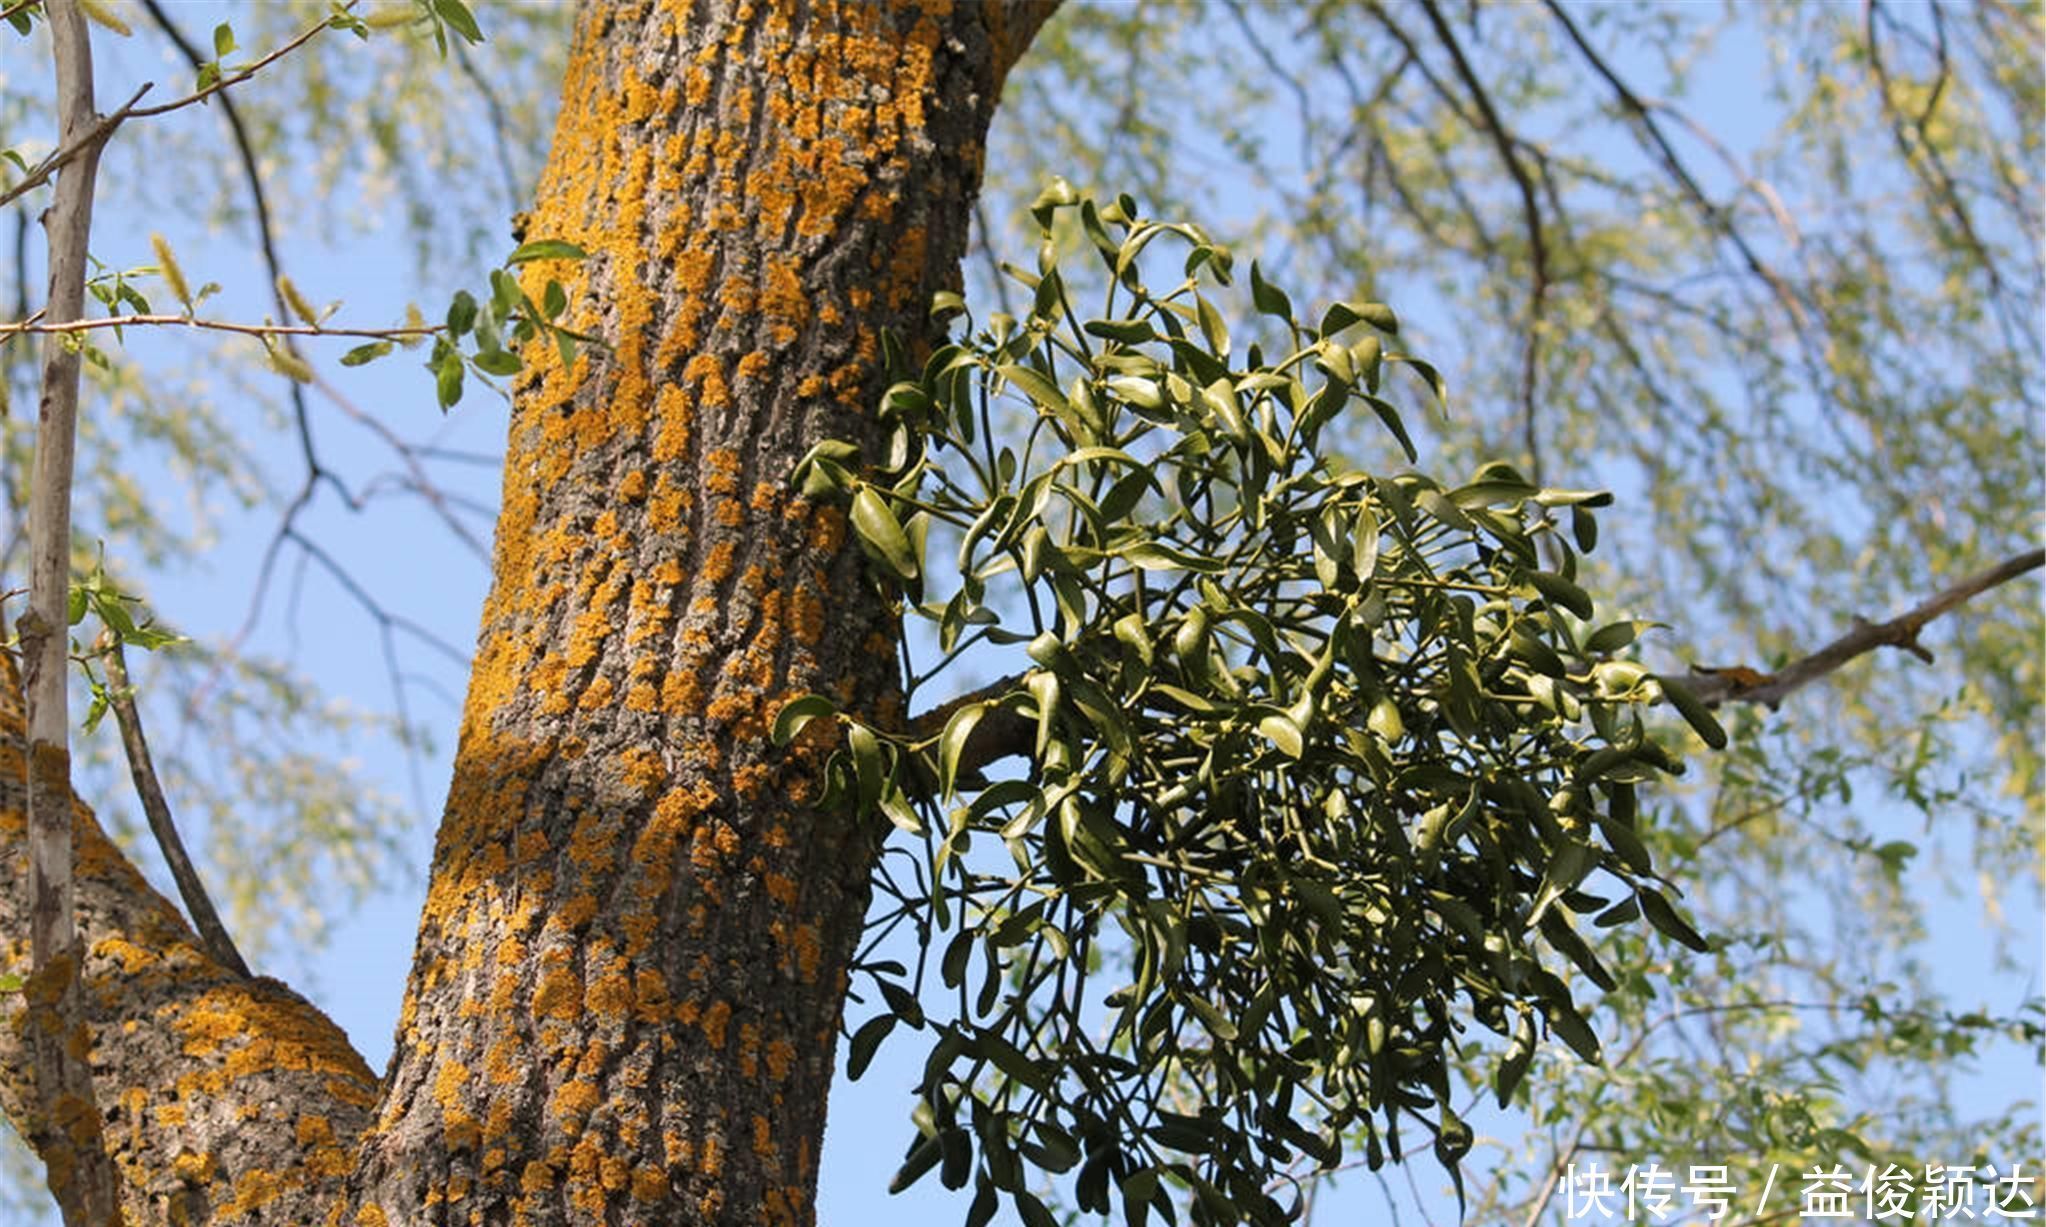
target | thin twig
x=246, y=73
x=149, y=790
x=1739, y=684
x=1531, y=215
x=45, y=327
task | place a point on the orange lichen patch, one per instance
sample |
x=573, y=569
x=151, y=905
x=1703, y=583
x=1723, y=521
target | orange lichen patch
x=707, y=374
x=749, y=1049
x=715, y=1022
x=763, y=1137
x=665, y=507
x=729, y=513
x=559, y=994
x=718, y=567
x=537, y=1177
x=806, y=610
x=671, y=430
x=502, y=1064
x=668, y=571
x=256, y=1188
x=781, y=1056
x=611, y=996
x=782, y=299
x=463, y=1133
x=781, y=888
x=449, y=1083
x=642, y=697
x=827, y=531
x=371, y=1216
x=808, y=950
x=195, y=1168
x=133, y=957
x=530, y=846
x=642, y=770
x=593, y=845
x=721, y=471
x=597, y=695
x=575, y=1100
x=169, y=1115
x=810, y=387
x=681, y=690
x=750, y=781
x=649, y=1183
x=575, y=913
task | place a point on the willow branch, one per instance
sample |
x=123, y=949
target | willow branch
x=74, y=325
x=149, y=790
x=244, y=74
x=69, y=148
x=1738, y=684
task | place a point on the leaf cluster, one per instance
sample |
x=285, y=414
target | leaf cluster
x=1318, y=766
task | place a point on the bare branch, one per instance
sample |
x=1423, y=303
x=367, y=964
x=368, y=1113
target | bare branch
x=149, y=790
x=1740, y=684
x=1531, y=216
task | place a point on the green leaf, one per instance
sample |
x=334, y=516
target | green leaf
x=366, y=353
x=223, y=40
x=545, y=249
x=1269, y=298
x=1663, y=915
x=461, y=313
x=1391, y=417
x=1562, y=593
x=1694, y=712
x=865, y=1042
x=1213, y=327
x=499, y=362
x=1037, y=387
x=877, y=527
x=1570, y=1027
x=952, y=743
x=797, y=712
x=1127, y=332
x=456, y=14
x=869, y=771
x=448, y=382
x=1280, y=730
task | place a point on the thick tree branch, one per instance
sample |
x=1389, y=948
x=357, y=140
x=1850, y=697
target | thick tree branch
x=1740, y=684
x=156, y=808
x=1002, y=732
x=223, y=1096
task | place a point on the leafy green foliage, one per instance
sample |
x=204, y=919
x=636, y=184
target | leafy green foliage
x=1318, y=763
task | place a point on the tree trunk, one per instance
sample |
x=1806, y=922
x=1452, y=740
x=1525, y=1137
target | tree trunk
x=626, y=993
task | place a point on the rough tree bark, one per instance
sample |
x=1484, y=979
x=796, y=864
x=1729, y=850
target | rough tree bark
x=632, y=960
